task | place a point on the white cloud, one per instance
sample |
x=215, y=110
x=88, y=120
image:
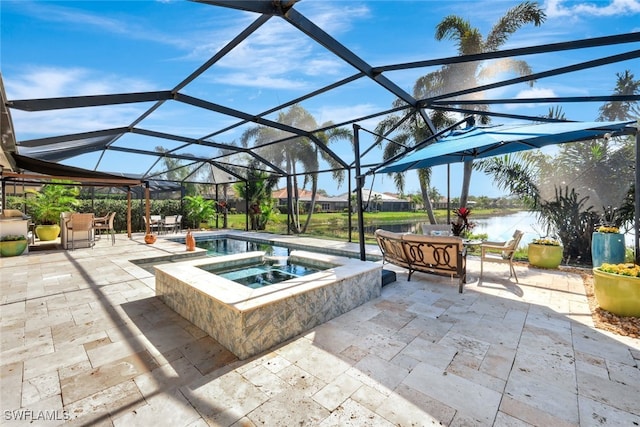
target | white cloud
x=31, y=125
x=332, y=17
x=277, y=51
x=251, y=80
x=277, y=55
x=52, y=82
x=124, y=25
x=535, y=92
x=344, y=113
x=557, y=8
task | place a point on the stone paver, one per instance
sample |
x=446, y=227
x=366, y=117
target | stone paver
x=84, y=341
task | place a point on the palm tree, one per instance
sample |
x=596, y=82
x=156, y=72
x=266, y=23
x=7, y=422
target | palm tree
x=409, y=132
x=565, y=214
x=177, y=171
x=622, y=110
x=257, y=191
x=297, y=152
x=376, y=201
x=565, y=187
x=326, y=138
x=469, y=40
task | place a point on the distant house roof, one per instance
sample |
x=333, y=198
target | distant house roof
x=384, y=197
x=305, y=195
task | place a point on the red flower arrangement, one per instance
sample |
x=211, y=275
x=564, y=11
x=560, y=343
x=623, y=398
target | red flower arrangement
x=461, y=223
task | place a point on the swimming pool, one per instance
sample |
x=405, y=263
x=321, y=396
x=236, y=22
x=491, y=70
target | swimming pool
x=232, y=241
x=218, y=246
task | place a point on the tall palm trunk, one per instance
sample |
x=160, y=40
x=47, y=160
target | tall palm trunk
x=296, y=198
x=312, y=206
x=425, y=183
x=466, y=181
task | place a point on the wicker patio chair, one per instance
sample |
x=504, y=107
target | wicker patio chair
x=80, y=222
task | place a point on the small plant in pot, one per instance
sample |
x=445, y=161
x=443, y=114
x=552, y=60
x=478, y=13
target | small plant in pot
x=607, y=243
x=617, y=288
x=12, y=245
x=46, y=205
x=545, y=252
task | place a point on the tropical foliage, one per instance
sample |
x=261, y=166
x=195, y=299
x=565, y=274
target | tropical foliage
x=562, y=187
x=416, y=127
x=298, y=155
x=46, y=205
x=461, y=225
x=199, y=209
x=257, y=193
x=177, y=170
x=456, y=78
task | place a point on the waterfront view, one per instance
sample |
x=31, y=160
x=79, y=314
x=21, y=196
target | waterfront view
x=497, y=228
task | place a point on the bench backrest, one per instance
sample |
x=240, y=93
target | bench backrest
x=391, y=247
x=442, y=254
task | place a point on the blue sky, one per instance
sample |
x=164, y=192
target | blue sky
x=73, y=48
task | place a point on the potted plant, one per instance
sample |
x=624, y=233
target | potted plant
x=12, y=245
x=199, y=210
x=46, y=206
x=617, y=288
x=607, y=243
x=545, y=252
x=461, y=225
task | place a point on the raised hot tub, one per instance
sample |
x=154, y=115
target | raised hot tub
x=248, y=321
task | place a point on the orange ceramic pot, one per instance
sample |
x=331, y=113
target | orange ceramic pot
x=149, y=239
x=190, y=242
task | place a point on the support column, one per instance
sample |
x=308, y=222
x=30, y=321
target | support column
x=359, y=185
x=636, y=221
x=129, y=212
x=147, y=208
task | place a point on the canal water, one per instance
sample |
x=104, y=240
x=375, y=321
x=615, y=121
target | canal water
x=498, y=228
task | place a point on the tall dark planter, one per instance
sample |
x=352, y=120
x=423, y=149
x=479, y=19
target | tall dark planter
x=607, y=248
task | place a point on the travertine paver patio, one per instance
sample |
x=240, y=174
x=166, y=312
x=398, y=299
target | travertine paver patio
x=85, y=338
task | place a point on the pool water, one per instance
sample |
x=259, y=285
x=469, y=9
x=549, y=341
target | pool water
x=227, y=246
x=261, y=275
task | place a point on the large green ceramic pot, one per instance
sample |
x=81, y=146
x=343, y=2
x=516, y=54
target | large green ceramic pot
x=48, y=232
x=12, y=247
x=616, y=293
x=545, y=256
